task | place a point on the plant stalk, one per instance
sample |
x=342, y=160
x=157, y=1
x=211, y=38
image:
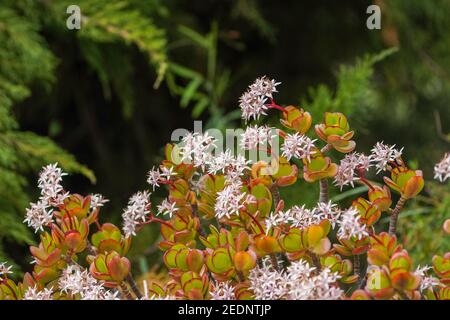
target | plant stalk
x=395, y=214
x=133, y=286
x=323, y=197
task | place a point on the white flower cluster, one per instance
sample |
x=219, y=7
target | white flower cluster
x=159, y=175
x=4, y=269
x=350, y=226
x=298, y=146
x=49, y=182
x=33, y=293
x=253, y=101
x=196, y=148
x=348, y=167
x=40, y=214
x=231, y=200
x=167, y=208
x=303, y=217
x=74, y=280
x=222, y=291
x=427, y=281
x=382, y=154
x=97, y=201
x=136, y=212
x=442, y=168
x=300, y=281
x=257, y=136
x=232, y=167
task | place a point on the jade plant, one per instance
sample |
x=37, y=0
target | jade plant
x=226, y=232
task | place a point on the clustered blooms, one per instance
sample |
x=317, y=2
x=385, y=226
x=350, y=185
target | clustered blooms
x=159, y=175
x=231, y=200
x=40, y=213
x=98, y=201
x=167, y=207
x=223, y=291
x=300, y=281
x=253, y=101
x=225, y=232
x=298, y=146
x=442, y=168
x=231, y=166
x=300, y=216
x=76, y=281
x=4, y=269
x=33, y=293
x=383, y=154
x=197, y=148
x=256, y=136
x=350, y=168
x=38, y=216
x=49, y=182
x=350, y=225
x=136, y=213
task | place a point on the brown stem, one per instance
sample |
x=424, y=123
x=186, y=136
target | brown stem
x=327, y=148
x=323, y=197
x=394, y=215
x=275, y=194
x=274, y=261
x=356, y=265
x=240, y=276
x=201, y=232
x=315, y=260
x=133, y=286
x=125, y=291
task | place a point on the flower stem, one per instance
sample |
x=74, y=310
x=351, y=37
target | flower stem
x=356, y=265
x=275, y=194
x=323, y=197
x=133, y=286
x=327, y=148
x=315, y=260
x=394, y=215
x=125, y=291
x=274, y=261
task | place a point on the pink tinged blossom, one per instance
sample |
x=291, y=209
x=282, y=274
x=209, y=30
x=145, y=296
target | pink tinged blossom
x=4, y=270
x=49, y=182
x=232, y=167
x=297, y=146
x=427, y=281
x=350, y=225
x=167, y=173
x=253, y=101
x=349, y=167
x=154, y=177
x=97, y=201
x=196, y=148
x=77, y=280
x=383, y=154
x=136, y=212
x=222, y=291
x=230, y=200
x=38, y=216
x=33, y=293
x=442, y=168
x=252, y=106
x=264, y=87
x=302, y=217
x=255, y=137
x=167, y=208
x=300, y=281
x=328, y=211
